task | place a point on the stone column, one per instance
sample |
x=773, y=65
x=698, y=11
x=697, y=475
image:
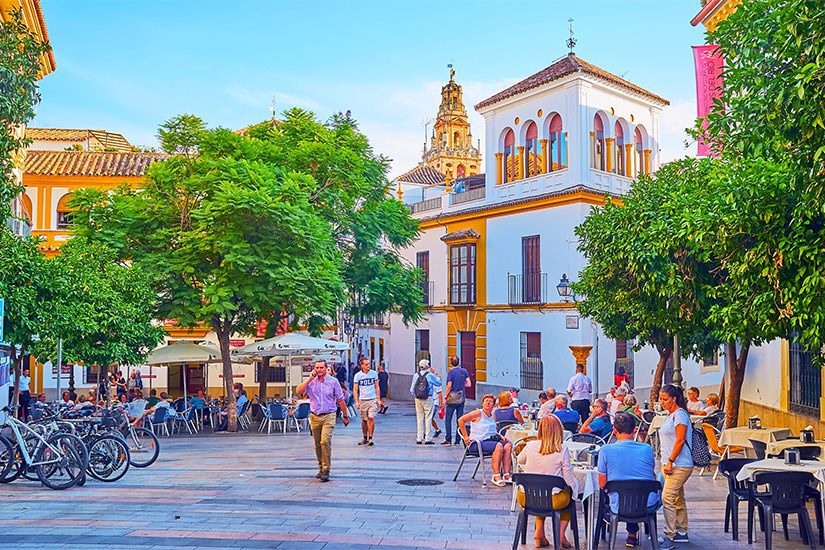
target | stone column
x=545, y=166
x=609, y=153
x=521, y=160
x=628, y=159
x=581, y=353
x=498, y=167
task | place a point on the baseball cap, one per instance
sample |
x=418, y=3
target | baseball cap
x=423, y=364
x=515, y=390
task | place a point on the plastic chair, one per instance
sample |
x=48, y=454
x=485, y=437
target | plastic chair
x=738, y=491
x=477, y=453
x=571, y=427
x=301, y=416
x=633, y=508
x=717, y=451
x=760, y=448
x=787, y=496
x=265, y=419
x=243, y=416
x=538, y=501
x=277, y=414
x=518, y=446
x=807, y=452
x=159, y=419
x=179, y=405
x=187, y=419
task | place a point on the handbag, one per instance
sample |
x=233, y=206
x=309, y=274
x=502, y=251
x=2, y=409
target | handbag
x=455, y=397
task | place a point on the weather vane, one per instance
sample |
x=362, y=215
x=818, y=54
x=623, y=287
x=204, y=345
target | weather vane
x=571, y=42
x=272, y=108
x=452, y=71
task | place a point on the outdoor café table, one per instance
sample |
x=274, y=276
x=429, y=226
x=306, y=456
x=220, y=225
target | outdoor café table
x=750, y=470
x=777, y=447
x=741, y=436
x=587, y=489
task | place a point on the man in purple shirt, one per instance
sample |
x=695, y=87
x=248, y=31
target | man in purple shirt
x=324, y=393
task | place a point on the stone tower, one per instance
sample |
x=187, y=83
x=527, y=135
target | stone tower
x=451, y=150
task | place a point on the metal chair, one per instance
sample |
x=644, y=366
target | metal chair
x=571, y=427
x=518, y=446
x=538, y=501
x=187, y=419
x=159, y=419
x=587, y=438
x=276, y=414
x=243, y=416
x=477, y=453
x=301, y=416
x=633, y=508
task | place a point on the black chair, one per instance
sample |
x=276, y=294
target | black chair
x=633, y=508
x=502, y=426
x=760, y=448
x=738, y=491
x=807, y=452
x=787, y=495
x=587, y=438
x=571, y=427
x=538, y=501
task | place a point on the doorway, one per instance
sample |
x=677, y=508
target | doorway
x=467, y=354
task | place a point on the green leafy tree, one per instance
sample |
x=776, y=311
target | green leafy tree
x=647, y=286
x=101, y=307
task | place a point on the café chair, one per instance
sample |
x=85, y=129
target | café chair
x=633, y=496
x=587, y=438
x=738, y=491
x=474, y=450
x=538, y=501
x=518, y=446
x=787, y=495
x=716, y=450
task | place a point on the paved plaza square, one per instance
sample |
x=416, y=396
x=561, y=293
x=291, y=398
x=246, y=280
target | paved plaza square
x=259, y=491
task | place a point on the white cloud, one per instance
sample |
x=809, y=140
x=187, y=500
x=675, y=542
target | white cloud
x=672, y=136
x=262, y=99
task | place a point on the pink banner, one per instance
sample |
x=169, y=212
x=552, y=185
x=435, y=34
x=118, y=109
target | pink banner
x=709, y=64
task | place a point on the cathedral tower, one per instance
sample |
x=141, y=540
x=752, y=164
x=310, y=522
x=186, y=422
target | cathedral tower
x=451, y=149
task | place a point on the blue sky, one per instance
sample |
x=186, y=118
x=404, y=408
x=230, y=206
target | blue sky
x=127, y=65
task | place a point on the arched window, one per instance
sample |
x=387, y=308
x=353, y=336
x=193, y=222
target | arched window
x=510, y=157
x=557, y=145
x=597, y=143
x=457, y=140
x=26, y=208
x=532, y=150
x=460, y=171
x=618, y=150
x=65, y=214
x=639, y=138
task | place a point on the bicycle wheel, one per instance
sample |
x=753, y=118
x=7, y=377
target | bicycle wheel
x=7, y=455
x=144, y=447
x=66, y=467
x=17, y=466
x=108, y=458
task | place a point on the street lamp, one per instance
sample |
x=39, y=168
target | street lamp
x=564, y=288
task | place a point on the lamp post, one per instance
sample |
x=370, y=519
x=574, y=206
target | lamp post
x=678, y=380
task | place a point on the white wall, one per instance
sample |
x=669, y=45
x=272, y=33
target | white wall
x=763, y=373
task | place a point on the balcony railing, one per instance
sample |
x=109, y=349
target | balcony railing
x=531, y=288
x=423, y=206
x=475, y=194
x=427, y=289
x=373, y=320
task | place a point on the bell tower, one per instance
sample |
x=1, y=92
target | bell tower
x=451, y=150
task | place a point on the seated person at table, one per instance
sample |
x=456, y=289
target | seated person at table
x=199, y=402
x=568, y=417
x=153, y=398
x=483, y=429
x=630, y=406
x=506, y=413
x=618, y=401
x=301, y=400
x=514, y=395
x=694, y=405
x=547, y=455
x=66, y=400
x=598, y=423
x=164, y=403
x=712, y=403
x=548, y=405
x=83, y=403
x=627, y=459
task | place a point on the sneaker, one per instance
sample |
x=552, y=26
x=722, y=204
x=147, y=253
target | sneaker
x=363, y=441
x=681, y=537
x=429, y=443
x=418, y=442
x=324, y=476
x=446, y=442
x=666, y=543
x=632, y=541
x=437, y=433
x=318, y=475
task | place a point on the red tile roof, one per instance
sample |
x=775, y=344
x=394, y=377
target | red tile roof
x=568, y=64
x=468, y=233
x=422, y=174
x=96, y=138
x=86, y=163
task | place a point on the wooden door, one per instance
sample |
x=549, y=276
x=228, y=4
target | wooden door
x=468, y=359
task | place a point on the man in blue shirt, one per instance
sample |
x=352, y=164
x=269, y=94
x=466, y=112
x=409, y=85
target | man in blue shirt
x=598, y=423
x=627, y=459
x=569, y=418
x=457, y=382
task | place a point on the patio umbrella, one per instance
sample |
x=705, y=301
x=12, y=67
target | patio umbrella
x=287, y=345
x=183, y=353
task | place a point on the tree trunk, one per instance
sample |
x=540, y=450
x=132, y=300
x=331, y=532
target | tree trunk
x=263, y=378
x=659, y=374
x=736, y=367
x=223, y=331
x=722, y=387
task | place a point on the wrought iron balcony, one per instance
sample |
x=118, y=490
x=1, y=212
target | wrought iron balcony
x=530, y=288
x=427, y=290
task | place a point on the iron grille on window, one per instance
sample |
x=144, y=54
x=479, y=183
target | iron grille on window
x=422, y=346
x=275, y=374
x=532, y=370
x=90, y=373
x=806, y=383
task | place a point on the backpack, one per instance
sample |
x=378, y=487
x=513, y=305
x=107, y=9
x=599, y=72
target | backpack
x=421, y=390
x=699, y=450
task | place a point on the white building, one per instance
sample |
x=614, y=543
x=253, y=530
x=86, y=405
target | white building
x=557, y=143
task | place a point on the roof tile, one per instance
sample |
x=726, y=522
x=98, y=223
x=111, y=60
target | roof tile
x=87, y=163
x=422, y=174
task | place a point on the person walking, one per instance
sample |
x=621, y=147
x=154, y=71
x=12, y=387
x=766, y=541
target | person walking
x=458, y=380
x=383, y=387
x=324, y=393
x=25, y=396
x=422, y=388
x=677, y=464
x=580, y=389
x=438, y=412
x=367, y=400
x=341, y=374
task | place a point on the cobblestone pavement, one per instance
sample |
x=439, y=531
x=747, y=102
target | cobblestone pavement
x=259, y=491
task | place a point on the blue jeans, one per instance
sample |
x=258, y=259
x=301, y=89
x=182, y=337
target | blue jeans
x=458, y=411
x=633, y=528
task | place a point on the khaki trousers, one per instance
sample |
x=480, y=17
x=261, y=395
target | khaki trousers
x=322, y=427
x=673, y=501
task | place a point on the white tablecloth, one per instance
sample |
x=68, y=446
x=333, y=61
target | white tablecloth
x=777, y=447
x=587, y=481
x=749, y=471
x=742, y=435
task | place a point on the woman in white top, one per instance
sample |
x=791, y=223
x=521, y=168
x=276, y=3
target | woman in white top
x=483, y=429
x=694, y=404
x=677, y=464
x=548, y=455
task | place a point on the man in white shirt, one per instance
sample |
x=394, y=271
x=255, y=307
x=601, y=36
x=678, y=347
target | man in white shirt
x=580, y=389
x=367, y=399
x=25, y=395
